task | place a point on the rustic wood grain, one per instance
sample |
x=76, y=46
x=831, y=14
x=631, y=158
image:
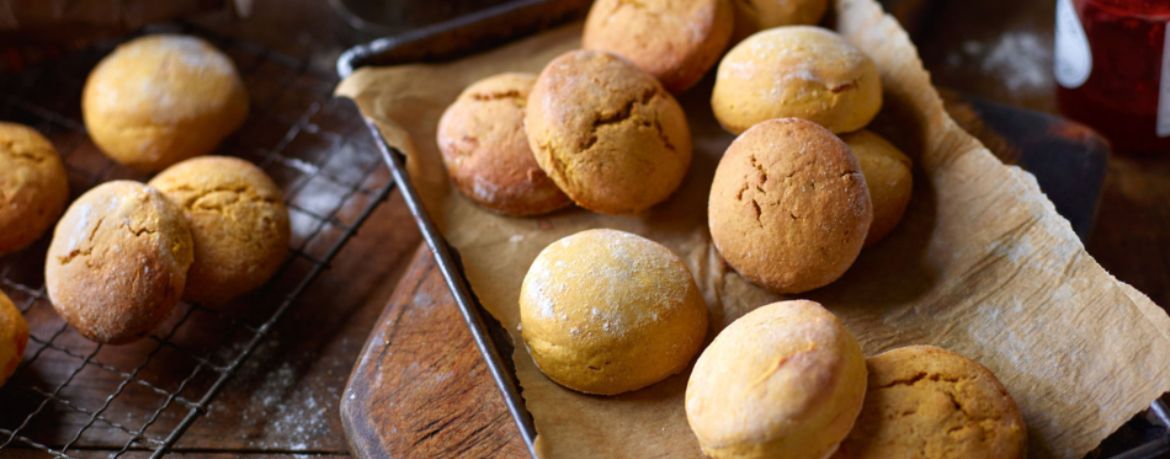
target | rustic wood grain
x=420, y=387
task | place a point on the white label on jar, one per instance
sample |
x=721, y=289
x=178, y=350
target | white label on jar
x=1073, y=61
x=1163, y=126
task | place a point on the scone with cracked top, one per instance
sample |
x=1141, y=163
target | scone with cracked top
x=887, y=173
x=160, y=99
x=13, y=338
x=931, y=403
x=485, y=149
x=604, y=312
x=238, y=221
x=118, y=261
x=33, y=186
x=796, y=71
x=789, y=207
x=610, y=136
x=675, y=41
x=784, y=381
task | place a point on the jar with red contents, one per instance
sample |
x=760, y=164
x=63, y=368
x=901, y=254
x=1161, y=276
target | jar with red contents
x=1112, y=66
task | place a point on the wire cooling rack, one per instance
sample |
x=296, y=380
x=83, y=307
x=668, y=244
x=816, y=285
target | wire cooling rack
x=71, y=396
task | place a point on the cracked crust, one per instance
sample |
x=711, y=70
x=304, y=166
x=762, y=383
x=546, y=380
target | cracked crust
x=796, y=71
x=485, y=149
x=605, y=312
x=752, y=16
x=13, y=338
x=607, y=133
x=118, y=261
x=887, y=172
x=160, y=99
x=33, y=186
x=785, y=380
x=676, y=41
x=238, y=221
x=931, y=403
x=789, y=208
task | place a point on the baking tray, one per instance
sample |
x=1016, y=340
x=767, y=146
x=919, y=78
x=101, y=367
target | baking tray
x=71, y=397
x=1071, y=172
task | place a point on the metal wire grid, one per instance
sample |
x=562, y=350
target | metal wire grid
x=350, y=186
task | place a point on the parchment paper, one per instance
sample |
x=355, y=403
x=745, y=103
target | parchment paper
x=982, y=264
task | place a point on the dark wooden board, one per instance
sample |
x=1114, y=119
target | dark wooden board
x=420, y=387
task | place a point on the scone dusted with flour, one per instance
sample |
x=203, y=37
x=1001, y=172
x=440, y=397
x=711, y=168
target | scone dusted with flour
x=118, y=262
x=786, y=380
x=160, y=99
x=606, y=312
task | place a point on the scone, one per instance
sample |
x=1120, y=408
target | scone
x=931, y=403
x=887, y=172
x=13, y=338
x=798, y=71
x=238, y=222
x=485, y=149
x=605, y=312
x=676, y=42
x=784, y=381
x=752, y=16
x=33, y=186
x=789, y=207
x=118, y=261
x=607, y=133
x=160, y=99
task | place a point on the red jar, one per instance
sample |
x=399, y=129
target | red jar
x=1112, y=67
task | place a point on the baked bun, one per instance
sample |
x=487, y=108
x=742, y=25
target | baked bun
x=752, y=16
x=238, y=221
x=13, y=338
x=607, y=133
x=798, y=71
x=118, y=261
x=482, y=139
x=784, y=381
x=887, y=172
x=931, y=403
x=33, y=186
x=605, y=312
x=160, y=99
x=789, y=207
x=676, y=42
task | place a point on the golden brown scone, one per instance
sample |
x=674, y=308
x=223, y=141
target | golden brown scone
x=33, y=186
x=789, y=207
x=675, y=41
x=930, y=403
x=118, y=261
x=160, y=99
x=482, y=139
x=607, y=133
x=784, y=381
x=752, y=16
x=605, y=312
x=797, y=71
x=238, y=222
x=13, y=338
x=887, y=172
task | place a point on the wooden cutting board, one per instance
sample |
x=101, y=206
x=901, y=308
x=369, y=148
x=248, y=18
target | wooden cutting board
x=420, y=387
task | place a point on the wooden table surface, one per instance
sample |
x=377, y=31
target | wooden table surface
x=286, y=400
